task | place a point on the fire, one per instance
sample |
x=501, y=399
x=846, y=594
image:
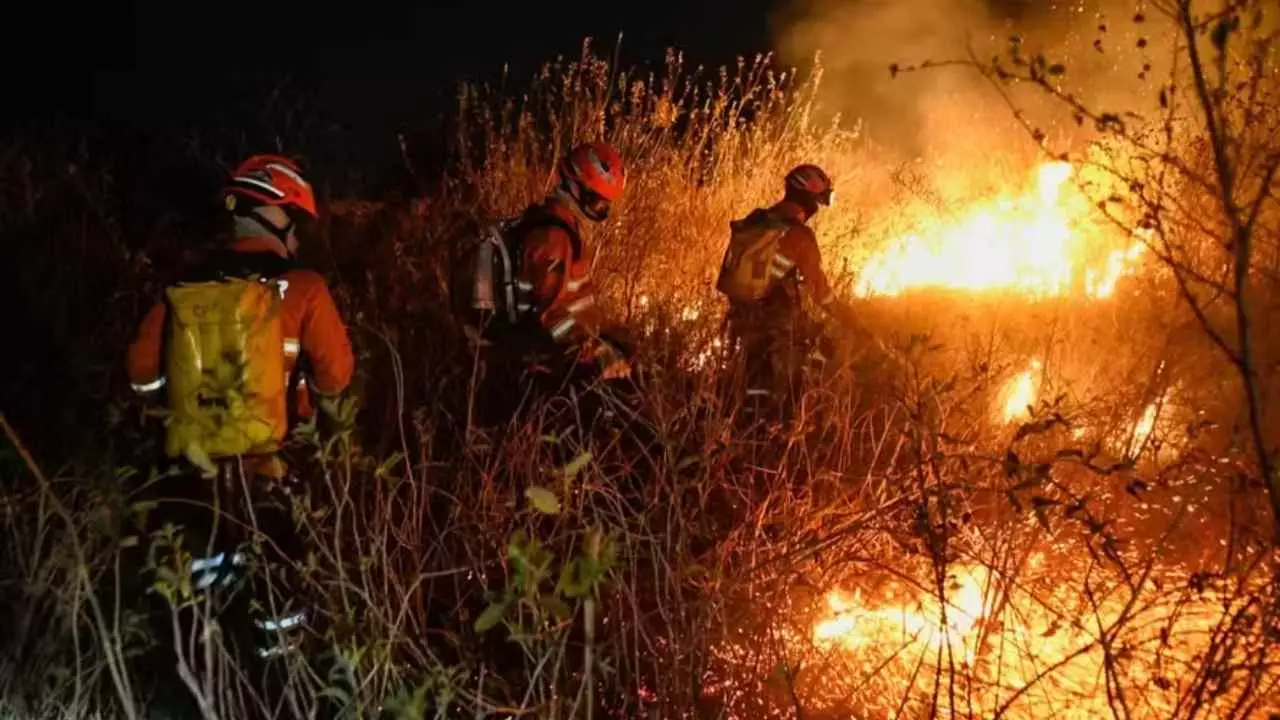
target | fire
x=856, y=625
x=1028, y=243
x=1142, y=430
x=1020, y=393
x=1013, y=642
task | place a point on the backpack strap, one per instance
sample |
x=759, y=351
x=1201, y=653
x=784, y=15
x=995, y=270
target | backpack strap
x=540, y=216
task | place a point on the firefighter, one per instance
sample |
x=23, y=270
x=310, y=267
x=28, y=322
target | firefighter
x=559, y=325
x=772, y=253
x=236, y=351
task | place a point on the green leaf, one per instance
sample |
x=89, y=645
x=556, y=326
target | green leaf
x=558, y=607
x=576, y=465
x=129, y=541
x=385, y=468
x=543, y=500
x=571, y=582
x=491, y=616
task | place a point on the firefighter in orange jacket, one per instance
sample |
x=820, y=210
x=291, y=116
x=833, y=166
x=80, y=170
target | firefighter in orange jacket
x=266, y=197
x=775, y=337
x=559, y=325
x=554, y=282
x=269, y=195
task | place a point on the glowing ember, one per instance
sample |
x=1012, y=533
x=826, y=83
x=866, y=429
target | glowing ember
x=1026, y=243
x=1020, y=393
x=1014, y=648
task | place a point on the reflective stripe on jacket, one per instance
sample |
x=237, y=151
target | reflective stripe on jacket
x=555, y=278
x=798, y=251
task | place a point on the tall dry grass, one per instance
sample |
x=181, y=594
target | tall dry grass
x=671, y=561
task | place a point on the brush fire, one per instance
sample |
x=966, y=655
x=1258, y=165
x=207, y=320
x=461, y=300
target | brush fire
x=1055, y=635
x=1029, y=243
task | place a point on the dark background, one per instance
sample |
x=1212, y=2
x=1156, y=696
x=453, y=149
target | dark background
x=349, y=76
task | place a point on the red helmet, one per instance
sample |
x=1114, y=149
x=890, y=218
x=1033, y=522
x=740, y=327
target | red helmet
x=271, y=180
x=810, y=181
x=595, y=177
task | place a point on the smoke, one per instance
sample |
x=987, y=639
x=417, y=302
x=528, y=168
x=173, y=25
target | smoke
x=952, y=115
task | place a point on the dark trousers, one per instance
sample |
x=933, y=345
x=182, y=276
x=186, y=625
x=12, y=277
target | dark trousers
x=519, y=367
x=779, y=348
x=227, y=551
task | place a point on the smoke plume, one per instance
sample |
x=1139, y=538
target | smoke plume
x=1114, y=52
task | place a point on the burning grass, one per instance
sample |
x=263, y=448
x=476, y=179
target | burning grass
x=1027, y=508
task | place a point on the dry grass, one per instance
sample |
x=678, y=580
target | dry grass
x=701, y=555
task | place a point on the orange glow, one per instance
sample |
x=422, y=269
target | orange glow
x=1020, y=393
x=854, y=625
x=1029, y=243
x=1003, y=638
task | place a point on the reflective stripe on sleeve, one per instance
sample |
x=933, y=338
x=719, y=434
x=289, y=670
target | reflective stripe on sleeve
x=149, y=386
x=563, y=327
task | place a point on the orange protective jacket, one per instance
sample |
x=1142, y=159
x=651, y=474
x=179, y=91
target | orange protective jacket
x=798, y=251
x=309, y=320
x=555, y=276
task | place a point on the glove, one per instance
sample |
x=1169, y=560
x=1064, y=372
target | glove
x=611, y=361
x=616, y=370
x=612, y=355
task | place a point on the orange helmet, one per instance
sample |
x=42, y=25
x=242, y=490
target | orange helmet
x=270, y=180
x=593, y=175
x=810, y=183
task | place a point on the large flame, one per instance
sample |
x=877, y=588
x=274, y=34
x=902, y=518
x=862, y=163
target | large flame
x=1028, y=243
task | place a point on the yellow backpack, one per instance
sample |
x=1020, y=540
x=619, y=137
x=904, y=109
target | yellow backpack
x=744, y=272
x=226, y=369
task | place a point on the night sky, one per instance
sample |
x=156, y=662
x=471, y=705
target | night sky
x=363, y=72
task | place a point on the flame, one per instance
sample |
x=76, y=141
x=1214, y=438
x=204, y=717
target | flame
x=1006, y=636
x=1020, y=393
x=854, y=624
x=1142, y=430
x=1028, y=243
